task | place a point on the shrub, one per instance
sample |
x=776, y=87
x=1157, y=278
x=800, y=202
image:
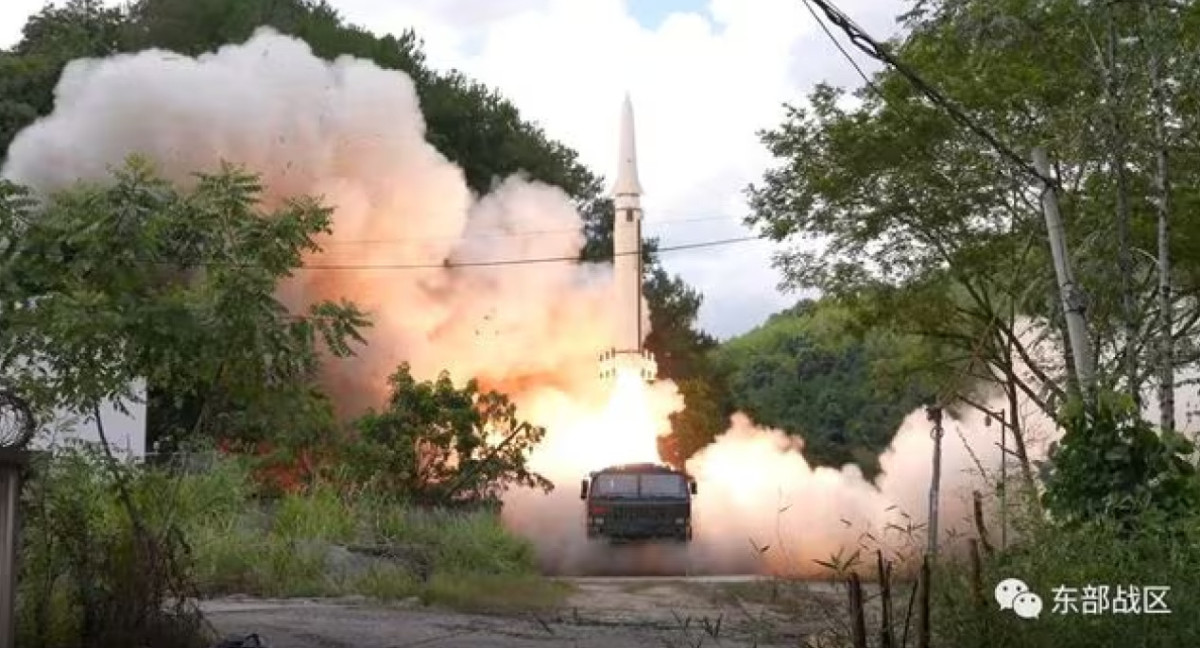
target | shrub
x=1111, y=464
x=1147, y=550
x=93, y=574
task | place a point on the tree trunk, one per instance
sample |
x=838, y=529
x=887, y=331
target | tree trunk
x=1162, y=187
x=1018, y=434
x=1124, y=254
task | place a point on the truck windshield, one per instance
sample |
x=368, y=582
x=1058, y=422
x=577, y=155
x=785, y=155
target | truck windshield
x=626, y=485
x=664, y=486
x=616, y=485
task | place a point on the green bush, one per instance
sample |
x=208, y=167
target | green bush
x=1112, y=464
x=90, y=572
x=80, y=561
x=1154, y=550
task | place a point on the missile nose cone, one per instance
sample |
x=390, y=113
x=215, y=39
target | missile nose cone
x=627, y=174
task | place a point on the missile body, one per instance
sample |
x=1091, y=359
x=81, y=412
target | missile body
x=628, y=353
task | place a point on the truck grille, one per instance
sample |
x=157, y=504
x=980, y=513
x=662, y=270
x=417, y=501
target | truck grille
x=660, y=513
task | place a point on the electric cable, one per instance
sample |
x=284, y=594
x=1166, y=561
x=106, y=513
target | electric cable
x=529, y=261
x=872, y=48
x=512, y=235
x=833, y=39
x=462, y=264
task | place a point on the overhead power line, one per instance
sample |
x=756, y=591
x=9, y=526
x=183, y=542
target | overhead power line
x=468, y=264
x=836, y=43
x=511, y=235
x=515, y=262
x=863, y=41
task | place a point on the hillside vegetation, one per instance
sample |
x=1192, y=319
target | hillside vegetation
x=816, y=371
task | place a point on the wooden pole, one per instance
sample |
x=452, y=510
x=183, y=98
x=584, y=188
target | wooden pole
x=980, y=525
x=1004, y=480
x=12, y=464
x=923, y=586
x=858, y=622
x=886, y=636
x=976, y=575
x=934, y=413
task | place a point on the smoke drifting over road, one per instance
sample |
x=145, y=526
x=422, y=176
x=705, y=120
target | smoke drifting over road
x=354, y=134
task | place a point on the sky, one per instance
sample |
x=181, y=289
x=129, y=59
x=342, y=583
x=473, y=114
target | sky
x=705, y=77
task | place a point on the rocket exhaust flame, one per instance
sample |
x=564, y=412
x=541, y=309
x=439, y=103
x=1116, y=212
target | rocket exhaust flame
x=354, y=134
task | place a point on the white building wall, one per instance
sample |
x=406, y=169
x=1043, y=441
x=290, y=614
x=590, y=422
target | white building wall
x=126, y=432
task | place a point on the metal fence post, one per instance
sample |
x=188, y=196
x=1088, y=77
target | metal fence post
x=12, y=464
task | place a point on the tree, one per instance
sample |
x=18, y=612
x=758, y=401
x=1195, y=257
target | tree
x=437, y=444
x=104, y=285
x=51, y=39
x=814, y=370
x=471, y=124
x=921, y=214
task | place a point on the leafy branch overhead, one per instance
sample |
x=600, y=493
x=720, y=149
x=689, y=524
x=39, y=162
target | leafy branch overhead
x=940, y=236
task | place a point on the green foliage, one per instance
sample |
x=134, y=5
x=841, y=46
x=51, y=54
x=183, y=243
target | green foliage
x=471, y=124
x=813, y=371
x=705, y=415
x=679, y=348
x=137, y=279
x=87, y=577
x=78, y=585
x=1146, y=550
x=1112, y=464
x=682, y=352
x=298, y=547
x=435, y=443
x=914, y=207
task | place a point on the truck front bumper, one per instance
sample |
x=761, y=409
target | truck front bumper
x=678, y=529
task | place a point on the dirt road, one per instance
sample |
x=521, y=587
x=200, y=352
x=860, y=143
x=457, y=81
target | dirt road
x=601, y=612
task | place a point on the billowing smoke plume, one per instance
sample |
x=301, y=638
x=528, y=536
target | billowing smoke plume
x=354, y=134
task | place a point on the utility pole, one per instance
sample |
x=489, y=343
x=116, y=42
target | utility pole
x=1069, y=292
x=12, y=464
x=934, y=412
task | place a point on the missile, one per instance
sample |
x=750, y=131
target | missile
x=628, y=354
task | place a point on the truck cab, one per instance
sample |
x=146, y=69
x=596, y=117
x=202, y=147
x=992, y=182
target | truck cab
x=638, y=502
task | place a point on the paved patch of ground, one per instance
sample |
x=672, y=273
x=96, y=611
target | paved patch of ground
x=601, y=612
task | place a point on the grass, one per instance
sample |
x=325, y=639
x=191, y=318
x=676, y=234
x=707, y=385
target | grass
x=322, y=543
x=1155, y=552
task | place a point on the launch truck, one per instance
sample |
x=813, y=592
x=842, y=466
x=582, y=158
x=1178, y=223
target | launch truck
x=638, y=502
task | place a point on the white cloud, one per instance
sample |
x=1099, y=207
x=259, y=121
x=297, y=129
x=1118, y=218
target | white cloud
x=703, y=84
x=13, y=14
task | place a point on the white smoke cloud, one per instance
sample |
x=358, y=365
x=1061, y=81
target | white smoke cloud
x=354, y=134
